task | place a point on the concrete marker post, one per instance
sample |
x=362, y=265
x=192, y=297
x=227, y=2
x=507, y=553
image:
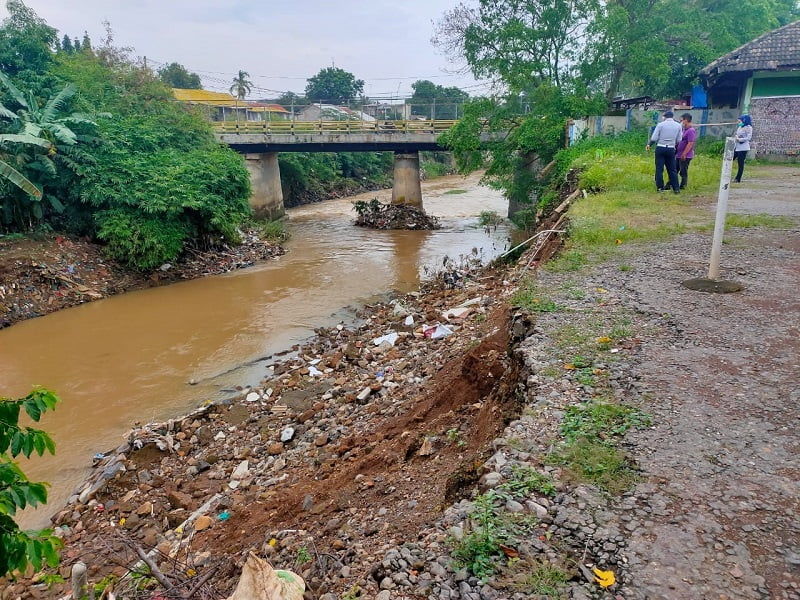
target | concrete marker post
x=722, y=208
x=712, y=283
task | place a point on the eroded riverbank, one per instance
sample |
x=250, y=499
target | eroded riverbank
x=131, y=357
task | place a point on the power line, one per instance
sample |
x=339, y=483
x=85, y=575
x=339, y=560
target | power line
x=208, y=75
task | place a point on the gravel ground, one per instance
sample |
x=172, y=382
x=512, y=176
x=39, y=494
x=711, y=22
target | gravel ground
x=722, y=462
x=716, y=515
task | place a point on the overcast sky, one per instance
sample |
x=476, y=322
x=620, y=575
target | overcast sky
x=279, y=42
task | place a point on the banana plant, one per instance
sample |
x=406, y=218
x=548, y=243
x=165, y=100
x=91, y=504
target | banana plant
x=40, y=138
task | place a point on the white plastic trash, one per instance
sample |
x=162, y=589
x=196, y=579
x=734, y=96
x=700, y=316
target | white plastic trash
x=437, y=331
x=391, y=338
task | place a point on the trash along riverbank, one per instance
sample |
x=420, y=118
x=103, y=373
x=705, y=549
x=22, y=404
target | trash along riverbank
x=41, y=276
x=347, y=449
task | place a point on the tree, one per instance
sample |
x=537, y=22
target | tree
x=66, y=45
x=640, y=47
x=25, y=41
x=242, y=85
x=177, y=76
x=43, y=140
x=76, y=45
x=333, y=86
x=86, y=44
x=653, y=47
x=516, y=42
x=19, y=548
x=436, y=101
x=289, y=99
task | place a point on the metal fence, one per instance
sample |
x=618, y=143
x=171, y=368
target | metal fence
x=300, y=127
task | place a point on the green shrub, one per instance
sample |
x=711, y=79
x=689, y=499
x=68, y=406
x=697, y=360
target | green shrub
x=161, y=183
x=488, y=217
x=274, y=231
x=140, y=240
x=309, y=176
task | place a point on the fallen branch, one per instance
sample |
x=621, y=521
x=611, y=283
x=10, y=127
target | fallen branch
x=154, y=570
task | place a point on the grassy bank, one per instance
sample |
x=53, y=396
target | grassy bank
x=622, y=208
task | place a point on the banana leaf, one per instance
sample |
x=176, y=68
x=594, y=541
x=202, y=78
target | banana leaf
x=11, y=174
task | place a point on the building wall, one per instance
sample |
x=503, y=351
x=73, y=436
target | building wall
x=776, y=125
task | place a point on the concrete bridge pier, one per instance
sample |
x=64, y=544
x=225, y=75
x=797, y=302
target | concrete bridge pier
x=266, y=198
x=407, y=188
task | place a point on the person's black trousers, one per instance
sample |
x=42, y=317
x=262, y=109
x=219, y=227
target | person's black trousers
x=665, y=157
x=683, y=170
x=739, y=156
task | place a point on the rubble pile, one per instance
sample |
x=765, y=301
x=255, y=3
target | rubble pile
x=376, y=215
x=353, y=438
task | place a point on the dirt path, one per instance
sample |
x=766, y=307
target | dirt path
x=718, y=516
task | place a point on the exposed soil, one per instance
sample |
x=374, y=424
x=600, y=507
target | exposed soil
x=40, y=276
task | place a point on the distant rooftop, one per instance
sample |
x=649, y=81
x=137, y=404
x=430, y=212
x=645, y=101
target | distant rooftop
x=210, y=98
x=205, y=97
x=776, y=50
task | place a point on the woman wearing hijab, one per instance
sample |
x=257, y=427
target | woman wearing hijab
x=743, y=136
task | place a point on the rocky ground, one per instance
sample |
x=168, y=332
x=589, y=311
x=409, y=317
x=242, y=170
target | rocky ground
x=40, y=276
x=604, y=433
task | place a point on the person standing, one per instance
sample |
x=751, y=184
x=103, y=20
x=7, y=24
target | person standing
x=666, y=136
x=743, y=136
x=685, y=151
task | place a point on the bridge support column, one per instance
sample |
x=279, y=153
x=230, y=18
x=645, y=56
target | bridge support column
x=407, y=188
x=266, y=198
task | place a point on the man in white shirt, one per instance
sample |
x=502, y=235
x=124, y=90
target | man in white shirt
x=666, y=136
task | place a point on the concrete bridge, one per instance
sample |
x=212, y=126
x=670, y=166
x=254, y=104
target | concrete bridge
x=260, y=142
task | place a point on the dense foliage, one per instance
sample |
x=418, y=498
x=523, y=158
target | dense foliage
x=566, y=58
x=333, y=86
x=19, y=548
x=110, y=152
x=520, y=142
x=632, y=47
x=177, y=76
x=307, y=177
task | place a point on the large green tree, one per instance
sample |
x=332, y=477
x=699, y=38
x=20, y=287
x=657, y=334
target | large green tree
x=177, y=76
x=26, y=41
x=653, y=47
x=436, y=101
x=334, y=86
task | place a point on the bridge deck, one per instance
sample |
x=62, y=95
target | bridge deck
x=331, y=136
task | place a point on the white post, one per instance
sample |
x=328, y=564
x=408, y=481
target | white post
x=722, y=208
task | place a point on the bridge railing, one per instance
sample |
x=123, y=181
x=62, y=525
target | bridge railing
x=311, y=127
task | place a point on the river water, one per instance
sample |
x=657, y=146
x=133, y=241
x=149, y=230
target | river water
x=131, y=357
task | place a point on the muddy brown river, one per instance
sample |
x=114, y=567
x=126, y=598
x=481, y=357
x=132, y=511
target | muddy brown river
x=131, y=357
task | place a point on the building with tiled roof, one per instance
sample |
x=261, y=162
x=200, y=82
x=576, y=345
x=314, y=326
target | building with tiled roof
x=762, y=78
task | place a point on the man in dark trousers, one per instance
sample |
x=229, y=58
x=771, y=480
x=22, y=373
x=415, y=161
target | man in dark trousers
x=685, y=151
x=666, y=136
